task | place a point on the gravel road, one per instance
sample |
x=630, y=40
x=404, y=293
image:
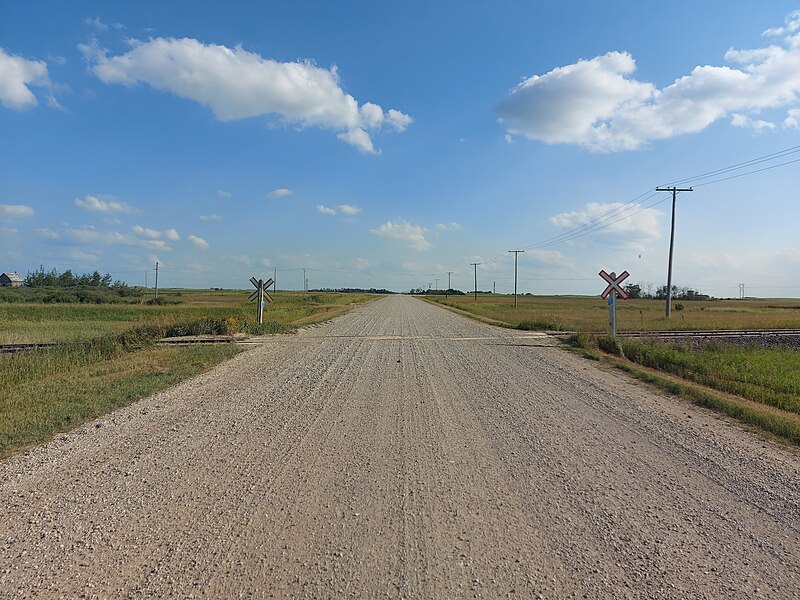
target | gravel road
x=402, y=451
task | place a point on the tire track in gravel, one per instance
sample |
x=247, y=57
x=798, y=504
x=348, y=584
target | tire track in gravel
x=402, y=451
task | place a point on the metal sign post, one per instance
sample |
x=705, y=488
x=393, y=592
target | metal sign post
x=260, y=295
x=613, y=289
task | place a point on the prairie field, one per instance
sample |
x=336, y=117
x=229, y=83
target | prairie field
x=590, y=313
x=40, y=323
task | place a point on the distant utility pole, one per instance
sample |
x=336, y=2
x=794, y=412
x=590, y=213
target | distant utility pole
x=516, y=254
x=449, y=287
x=305, y=281
x=674, y=191
x=476, y=279
x=275, y=279
x=494, y=287
x=156, y=279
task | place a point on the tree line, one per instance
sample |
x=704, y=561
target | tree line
x=68, y=279
x=646, y=290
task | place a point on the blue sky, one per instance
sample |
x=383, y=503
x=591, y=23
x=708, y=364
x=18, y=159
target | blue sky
x=383, y=144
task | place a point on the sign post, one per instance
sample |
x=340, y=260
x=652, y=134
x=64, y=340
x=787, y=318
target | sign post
x=613, y=289
x=260, y=295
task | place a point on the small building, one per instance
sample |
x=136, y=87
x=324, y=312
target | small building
x=11, y=280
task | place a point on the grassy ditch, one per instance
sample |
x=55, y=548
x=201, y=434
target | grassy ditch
x=43, y=392
x=756, y=385
x=86, y=383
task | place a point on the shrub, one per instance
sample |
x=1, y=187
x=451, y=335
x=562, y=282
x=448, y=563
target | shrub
x=609, y=345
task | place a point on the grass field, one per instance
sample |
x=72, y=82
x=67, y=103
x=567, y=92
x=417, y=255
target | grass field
x=37, y=323
x=590, y=314
x=108, y=358
x=760, y=386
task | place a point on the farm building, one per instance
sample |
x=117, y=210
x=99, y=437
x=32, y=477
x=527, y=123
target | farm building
x=11, y=280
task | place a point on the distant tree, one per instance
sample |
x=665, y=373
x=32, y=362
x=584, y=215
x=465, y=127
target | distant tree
x=634, y=290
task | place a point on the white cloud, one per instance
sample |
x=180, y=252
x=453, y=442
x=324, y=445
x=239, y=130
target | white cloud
x=89, y=234
x=242, y=259
x=360, y=139
x=452, y=225
x=549, y=257
x=325, y=210
x=198, y=241
x=96, y=23
x=398, y=120
x=210, y=218
x=107, y=204
x=792, y=120
x=363, y=263
x=8, y=231
x=791, y=25
x=642, y=225
x=349, y=209
x=280, y=193
x=757, y=125
x=597, y=103
x=402, y=230
x=16, y=210
x=83, y=257
x=224, y=194
x=17, y=74
x=145, y=232
x=266, y=262
x=153, y=234
x=237, y=84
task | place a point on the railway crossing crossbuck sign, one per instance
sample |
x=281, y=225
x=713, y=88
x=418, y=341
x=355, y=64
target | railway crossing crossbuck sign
x=613, y=289
x=614, y=284
x=260, y=295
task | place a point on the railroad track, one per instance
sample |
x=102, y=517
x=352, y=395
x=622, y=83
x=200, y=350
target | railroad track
x=664, y=335
x=9, y=348
x=721, y=334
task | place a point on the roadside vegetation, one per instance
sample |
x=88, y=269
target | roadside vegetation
x=755, y=384
x=109, y=357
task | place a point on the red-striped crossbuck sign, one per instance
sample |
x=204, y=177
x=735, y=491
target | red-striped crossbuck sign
x=614, y=284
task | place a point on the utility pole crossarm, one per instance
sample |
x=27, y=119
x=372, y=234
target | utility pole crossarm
x=674, y=191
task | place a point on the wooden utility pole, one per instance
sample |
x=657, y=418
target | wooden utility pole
x=516, y=253
x=476, y=279
x=449, y=287
x=674, y=191
x=156, y=279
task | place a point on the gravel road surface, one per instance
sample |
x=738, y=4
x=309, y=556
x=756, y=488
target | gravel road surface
x=402, y=451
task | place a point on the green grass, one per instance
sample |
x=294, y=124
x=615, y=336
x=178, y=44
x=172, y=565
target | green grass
x=590, y=313
x=757, y=386
x=777, y=422
x=38, y=323
x=766, y=375
x=108, y=358
x=44, y=402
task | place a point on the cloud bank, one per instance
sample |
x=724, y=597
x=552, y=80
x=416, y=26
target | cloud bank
x=598, y=104
x=237, y=84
